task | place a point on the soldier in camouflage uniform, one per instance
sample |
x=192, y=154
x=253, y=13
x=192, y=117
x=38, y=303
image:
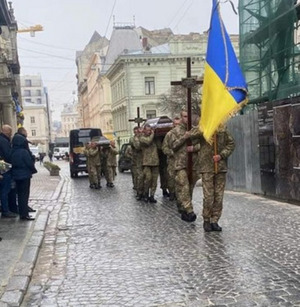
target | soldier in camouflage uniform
x=93, y=163
x=150, y=163
x=214, y=183
x=138, y=164
x=111, y=163
x=135, y=157
x=166, y=148
x=179, y=138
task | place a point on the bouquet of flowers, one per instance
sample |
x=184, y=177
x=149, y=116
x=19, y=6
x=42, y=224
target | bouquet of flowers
x=4, y=167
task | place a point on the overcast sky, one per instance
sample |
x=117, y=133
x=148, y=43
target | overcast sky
x=69, y=25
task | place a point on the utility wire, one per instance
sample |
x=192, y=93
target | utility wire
x=52, y=55
x=179, y=10
x=111, y=14
x=42, y=44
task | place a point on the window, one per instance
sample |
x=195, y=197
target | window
x=33, y=132
x=39, y=101
x=32, y=119
x=150, y=114
x=149, y=86
x=27, y=93
x=38, y=92
x=28, y=100
x=28, y=82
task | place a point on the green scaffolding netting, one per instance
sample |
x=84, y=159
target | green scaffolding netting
x=270, y=48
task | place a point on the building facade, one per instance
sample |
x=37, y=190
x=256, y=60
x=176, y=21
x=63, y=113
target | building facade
x=37, y=116
x=69, y=119
x=10, y=106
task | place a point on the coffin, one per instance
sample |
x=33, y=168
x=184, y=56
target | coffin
x=161, y=125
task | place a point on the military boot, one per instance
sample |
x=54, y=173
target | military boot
x=139, y=196
x=207, y=226
x=172, y=197
x=152, y=200
x=146, y=198
x=215, y=227
x=189, y=217
x=165, y=193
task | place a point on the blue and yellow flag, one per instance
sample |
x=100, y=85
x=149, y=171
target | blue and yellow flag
x=224, y=87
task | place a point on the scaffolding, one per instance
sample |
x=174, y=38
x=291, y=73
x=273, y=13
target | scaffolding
x=270, y=48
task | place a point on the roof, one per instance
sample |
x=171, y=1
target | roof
x=122, y=40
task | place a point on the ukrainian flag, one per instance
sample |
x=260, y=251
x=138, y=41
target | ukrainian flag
x=224, y=87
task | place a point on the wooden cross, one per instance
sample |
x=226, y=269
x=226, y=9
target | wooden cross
x=138, y=120
x=189, y=82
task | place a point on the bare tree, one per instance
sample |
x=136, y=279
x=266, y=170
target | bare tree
x=176, y=100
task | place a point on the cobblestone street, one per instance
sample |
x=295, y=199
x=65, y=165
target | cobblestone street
x=104, y=248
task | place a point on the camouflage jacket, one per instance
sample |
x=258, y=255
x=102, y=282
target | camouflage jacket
x=178, y=144
x=137, y=155
x=225, y=147
x=149, y=149
x=93, y=156
x=112, y=156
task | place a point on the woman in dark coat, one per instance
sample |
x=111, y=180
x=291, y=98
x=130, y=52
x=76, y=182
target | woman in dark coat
x=22, y=170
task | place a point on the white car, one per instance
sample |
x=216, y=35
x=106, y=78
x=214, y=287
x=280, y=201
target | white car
x=35, y=152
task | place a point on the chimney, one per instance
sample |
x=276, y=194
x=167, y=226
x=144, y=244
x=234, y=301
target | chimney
x=145, y=42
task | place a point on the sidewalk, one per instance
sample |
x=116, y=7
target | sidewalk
x=21, y=240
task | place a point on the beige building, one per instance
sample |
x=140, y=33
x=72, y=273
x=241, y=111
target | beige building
x=69, y=119
x=36, y=124
x=9, y=68
x=36, y=112
x=88, y=64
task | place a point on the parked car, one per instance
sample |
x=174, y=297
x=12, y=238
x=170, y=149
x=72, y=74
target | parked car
x=60, y=152
x=124, y=163
x=35, y=152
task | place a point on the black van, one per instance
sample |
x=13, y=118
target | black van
x=78, y=139
x=124, y=163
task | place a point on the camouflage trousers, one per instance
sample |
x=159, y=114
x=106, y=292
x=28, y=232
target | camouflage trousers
x=111, y=173
x=184, y=190
x=139, y=179
x=171, y=176
x=163, y=175
x=137, y=175
x=213, y=191
x=94, y=173
x=150, y=179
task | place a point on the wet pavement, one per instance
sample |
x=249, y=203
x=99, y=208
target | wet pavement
x=21, y=240
x=104, y=248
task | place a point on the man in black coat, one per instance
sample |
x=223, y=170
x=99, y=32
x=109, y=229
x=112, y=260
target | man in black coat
x=5, y=182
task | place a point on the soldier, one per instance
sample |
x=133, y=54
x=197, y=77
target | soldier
x=150, y=163
x=137, y=160
x=93, y=163
x=183, y=188
x=134, y=153
x=213, y=183
x=166, y=148
x=111, y=163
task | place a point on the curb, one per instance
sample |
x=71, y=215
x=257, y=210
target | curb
x=19, y=280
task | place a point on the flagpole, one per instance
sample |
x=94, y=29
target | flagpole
x=215, y=153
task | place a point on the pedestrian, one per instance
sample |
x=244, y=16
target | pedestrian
x=41, y=157
x=5, y=182
x=214, y=179
x=150, y=163
x=22, y=170
x=184, y=188
x=94, y=165
x=50, y=155
x=111, y=163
